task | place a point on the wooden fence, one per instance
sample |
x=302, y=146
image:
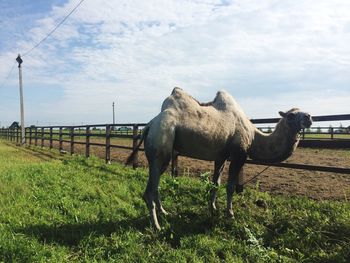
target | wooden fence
x=38, y=135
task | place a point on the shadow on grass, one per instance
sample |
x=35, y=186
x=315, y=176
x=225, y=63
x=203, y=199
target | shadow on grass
x=176, y=227
x=36, y=152
x=186, y=223
x=72, y=233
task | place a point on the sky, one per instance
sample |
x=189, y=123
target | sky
x=269, y=55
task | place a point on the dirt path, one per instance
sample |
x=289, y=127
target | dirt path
x=316, y=185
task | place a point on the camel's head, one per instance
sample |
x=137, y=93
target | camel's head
x=297, y=119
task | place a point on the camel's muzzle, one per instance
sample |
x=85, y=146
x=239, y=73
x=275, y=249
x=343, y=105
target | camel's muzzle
x=306, y=122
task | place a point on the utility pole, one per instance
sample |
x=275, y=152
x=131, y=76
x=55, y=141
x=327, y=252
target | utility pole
x=20, y=61
x=113, y=114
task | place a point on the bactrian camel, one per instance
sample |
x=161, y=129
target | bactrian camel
x=215, y=131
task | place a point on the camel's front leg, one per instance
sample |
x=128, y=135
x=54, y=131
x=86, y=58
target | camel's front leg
x=233, y=180
x=218, y=167
x=163, y=169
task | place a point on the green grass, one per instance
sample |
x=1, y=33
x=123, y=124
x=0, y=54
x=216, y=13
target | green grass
x=79, y=210
x=327, y=136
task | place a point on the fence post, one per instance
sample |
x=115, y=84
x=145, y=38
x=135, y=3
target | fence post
x=51, y=144
x=174, y=164
x=239, y=186
x=72, y=140
x=36, y=136
x=30, y=135
x=303, y=133
x=60, y=140
x=17, y=135
x=135, y=139
x=42, y=137
x=108, y=144
x=332, y=133
x=87, y=143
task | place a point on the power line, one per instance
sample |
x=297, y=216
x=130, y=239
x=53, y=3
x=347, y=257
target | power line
x=41, y=41
x=8, y=75
x=54, y=29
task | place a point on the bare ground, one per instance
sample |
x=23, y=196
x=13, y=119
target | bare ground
x=292, y=182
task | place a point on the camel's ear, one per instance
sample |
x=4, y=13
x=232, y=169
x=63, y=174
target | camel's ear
x=283, y=114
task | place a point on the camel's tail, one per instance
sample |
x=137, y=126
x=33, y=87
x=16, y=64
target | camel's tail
x=132, y=155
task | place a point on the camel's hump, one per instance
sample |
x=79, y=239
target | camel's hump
x=222, y=101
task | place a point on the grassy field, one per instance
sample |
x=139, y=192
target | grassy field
x=76, y=210
x=327, y=136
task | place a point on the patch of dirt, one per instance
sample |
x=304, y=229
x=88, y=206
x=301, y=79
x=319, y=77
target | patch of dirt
x=284, y=181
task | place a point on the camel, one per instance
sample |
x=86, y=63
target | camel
x=215, y=131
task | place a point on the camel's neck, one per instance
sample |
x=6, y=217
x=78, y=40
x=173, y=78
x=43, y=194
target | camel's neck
x=275, y=147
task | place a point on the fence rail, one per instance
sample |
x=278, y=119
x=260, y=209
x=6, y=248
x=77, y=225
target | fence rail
x=82, y=134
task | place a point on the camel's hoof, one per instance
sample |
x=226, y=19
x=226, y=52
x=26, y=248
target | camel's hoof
x=212, y=209
x=163, y=211
x=230, y=214
x=157, y=227
x=212, y=206
x=154, y=220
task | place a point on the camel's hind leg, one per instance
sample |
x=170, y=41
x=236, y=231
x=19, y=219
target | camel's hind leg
x=158, y=146
x=151, y=195
x=236, y=165
x=158, y=202
x=218, y=167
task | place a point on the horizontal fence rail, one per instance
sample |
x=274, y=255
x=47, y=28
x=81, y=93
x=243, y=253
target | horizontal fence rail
x=321, y=137
x=318, y=168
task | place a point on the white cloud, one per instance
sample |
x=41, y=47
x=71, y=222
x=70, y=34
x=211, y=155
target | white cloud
x=269, y=54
